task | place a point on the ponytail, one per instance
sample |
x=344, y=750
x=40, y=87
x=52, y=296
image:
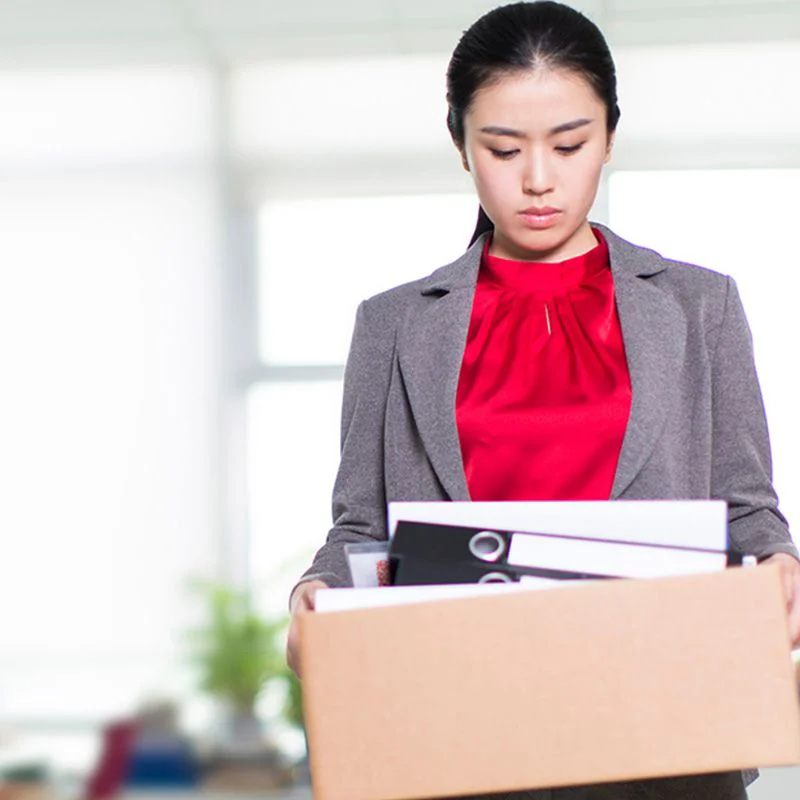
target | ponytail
x=483, y=225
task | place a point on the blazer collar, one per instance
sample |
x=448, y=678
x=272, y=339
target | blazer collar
x=461, y=274
x=432, y=346
x=626, y=259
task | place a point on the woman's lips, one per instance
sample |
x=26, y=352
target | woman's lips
x=540, y=218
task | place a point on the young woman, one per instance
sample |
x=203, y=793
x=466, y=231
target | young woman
x=553, y=360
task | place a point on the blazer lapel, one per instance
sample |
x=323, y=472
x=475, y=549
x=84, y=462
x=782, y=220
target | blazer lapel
x=432, y=347
x=430, y=354
x=654, y=334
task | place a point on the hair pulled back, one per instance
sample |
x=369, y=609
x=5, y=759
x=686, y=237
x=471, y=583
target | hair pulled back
x=521, y=37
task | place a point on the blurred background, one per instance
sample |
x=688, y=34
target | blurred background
x=194, y=195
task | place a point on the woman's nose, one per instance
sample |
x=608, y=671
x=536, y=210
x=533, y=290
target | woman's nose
x=538, y=177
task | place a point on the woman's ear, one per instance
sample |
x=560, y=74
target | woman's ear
x=609, y=146
x=464, y=162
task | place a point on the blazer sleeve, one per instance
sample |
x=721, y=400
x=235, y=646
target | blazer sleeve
x=741, y=469
x=359, y=495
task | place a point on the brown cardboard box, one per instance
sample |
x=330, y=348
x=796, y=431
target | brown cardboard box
x=605, y=681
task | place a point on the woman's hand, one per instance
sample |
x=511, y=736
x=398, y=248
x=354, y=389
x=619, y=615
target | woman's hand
x=790, y=578
x=302, y=601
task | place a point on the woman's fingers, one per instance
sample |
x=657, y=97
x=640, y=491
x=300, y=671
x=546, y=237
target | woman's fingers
x=790, y=579
x=302, y=602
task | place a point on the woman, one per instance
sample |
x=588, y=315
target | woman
x=554, y=360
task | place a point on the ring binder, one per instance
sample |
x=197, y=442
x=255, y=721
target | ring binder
x=487, y=545
x=496, y=577
x=423, y=553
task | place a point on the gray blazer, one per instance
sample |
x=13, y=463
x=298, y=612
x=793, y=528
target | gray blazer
x=696, y=430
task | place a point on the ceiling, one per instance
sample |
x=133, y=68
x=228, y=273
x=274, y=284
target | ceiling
x=64, y=32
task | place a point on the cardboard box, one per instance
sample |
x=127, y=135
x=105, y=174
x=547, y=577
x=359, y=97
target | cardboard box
x=606, y=681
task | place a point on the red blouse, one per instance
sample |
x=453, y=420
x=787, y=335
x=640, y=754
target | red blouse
x=544, y=392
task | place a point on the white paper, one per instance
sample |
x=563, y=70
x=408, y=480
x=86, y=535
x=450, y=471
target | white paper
x=326, y=600
x=680, y=523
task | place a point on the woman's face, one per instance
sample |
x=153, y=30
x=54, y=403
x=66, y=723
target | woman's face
x=535, y=144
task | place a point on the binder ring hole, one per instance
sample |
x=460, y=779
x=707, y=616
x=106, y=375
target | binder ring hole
x=495, y=577
x=487, y=545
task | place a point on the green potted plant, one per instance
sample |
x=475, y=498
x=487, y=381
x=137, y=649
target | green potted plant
x=238, y=654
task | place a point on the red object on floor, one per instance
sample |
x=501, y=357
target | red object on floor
x=112, y=767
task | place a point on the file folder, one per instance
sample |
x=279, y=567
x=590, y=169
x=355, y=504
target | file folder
x=678, y=523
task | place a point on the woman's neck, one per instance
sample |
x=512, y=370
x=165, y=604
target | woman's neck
x=579, y=242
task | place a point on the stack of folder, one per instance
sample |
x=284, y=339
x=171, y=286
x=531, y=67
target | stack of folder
x=432, y=553
x=444, y=548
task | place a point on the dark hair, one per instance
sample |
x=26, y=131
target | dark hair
x=525, y=36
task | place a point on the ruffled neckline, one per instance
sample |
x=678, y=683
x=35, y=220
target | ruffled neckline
x=541, y=276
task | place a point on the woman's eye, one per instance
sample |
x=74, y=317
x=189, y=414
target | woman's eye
x=566, y=150
x=505, y=154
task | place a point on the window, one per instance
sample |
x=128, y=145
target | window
x=310, y=285
x=321, y=257
x=109, y=335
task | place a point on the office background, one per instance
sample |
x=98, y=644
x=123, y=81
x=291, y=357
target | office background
x=194, y=195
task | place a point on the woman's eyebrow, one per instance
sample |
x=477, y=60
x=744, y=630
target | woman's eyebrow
x=499, y=130
x=570, y=126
